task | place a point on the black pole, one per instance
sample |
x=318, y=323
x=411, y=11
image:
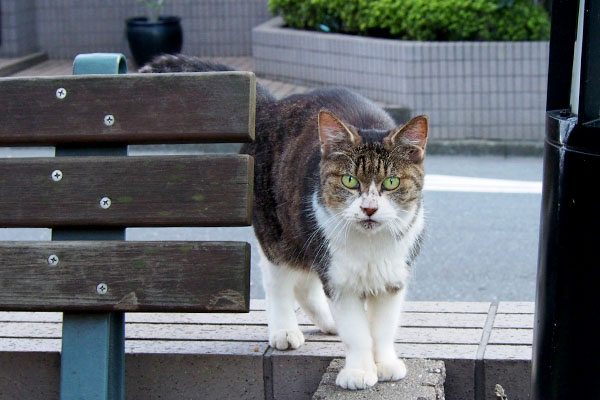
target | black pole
x=566, y=349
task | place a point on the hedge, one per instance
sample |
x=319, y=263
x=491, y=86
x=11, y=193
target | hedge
x=420, y=19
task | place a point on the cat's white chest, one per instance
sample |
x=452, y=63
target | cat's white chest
x=368, y=263
x=368, y=267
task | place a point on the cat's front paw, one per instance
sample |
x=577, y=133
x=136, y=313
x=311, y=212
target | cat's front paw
x=354, y=378
x=284, y=339
x=392, y=370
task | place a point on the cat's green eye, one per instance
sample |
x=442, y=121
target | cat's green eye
x=350, y=182
x=391, y=182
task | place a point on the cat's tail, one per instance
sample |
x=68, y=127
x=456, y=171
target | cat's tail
x=183, y=63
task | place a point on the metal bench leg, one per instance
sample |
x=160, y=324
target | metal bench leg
x=92, y=357
x=93, y=345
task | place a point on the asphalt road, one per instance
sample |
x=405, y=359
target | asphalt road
x=480, y=246
x=481, y=236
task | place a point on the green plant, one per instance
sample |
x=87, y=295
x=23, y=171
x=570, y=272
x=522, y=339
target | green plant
x=420, y=19
x=153, y=8
x=529, y=23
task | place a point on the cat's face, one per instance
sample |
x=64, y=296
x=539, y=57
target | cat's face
x=371, y=180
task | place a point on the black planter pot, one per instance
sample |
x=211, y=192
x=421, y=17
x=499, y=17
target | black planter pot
x=149, y=39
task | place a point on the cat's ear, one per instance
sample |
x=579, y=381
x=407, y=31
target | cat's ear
x=333, y=131
x=413, y=133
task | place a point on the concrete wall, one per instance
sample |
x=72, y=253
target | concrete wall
x=19, y=34
x=483, y=90
x=65, y=28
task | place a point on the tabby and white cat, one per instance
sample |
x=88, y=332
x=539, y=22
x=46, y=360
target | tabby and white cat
x=339, y=218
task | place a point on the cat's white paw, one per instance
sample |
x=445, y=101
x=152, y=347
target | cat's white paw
x=391, y=370
x=284, y=339
x=354, y=378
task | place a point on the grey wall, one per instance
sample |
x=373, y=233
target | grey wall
x=19, y=35
x=65, y=28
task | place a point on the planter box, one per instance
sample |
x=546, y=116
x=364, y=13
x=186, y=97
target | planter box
x=469, y=90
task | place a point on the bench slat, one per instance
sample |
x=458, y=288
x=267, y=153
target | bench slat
x=147, y=108
x=139, y=276
x=204, y=190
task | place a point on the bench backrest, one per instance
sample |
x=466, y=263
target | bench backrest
x=92, y=115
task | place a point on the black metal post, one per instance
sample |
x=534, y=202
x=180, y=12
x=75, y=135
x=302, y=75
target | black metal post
x=566, y=351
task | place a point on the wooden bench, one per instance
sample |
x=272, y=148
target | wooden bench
x=91, y=191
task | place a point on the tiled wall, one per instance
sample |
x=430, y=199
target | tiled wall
x=493, y=90
x=64, y=28
x=18, y=28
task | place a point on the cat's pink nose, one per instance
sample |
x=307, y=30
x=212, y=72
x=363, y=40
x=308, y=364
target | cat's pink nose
x=368, y=211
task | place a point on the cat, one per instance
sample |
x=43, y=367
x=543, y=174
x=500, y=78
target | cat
x=338, y=215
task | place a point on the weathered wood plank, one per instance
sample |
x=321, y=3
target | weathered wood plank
x=255, y=305
x=410, y=319
x=511, y=336
x=427, y=319
x=31, y=330
x=19, y=316
x=146, y=347
x=204, y=190
x=458, y=307
x=516, y=307
x=125, y=276
x=146, y=108
x=407, y=350
x=514, y=321
x=152, y=331
x=502, y=352
x=467, y=307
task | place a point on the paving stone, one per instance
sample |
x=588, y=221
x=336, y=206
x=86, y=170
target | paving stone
x=424, y=381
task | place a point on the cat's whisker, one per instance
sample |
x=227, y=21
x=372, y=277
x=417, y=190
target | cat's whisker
x=340, y=223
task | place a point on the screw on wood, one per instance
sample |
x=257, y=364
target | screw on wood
x=61, y=93
x=102, y=288
x=109, y=120
x=53, y=260
x=56, y=175
x=105, y=202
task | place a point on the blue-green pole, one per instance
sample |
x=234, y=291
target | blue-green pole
x=93, y=344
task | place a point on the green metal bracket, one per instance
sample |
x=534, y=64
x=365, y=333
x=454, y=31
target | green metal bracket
x=100, y=63
x=93, y=345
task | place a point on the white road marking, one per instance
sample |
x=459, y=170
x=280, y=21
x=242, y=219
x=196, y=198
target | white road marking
x=448, y=183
